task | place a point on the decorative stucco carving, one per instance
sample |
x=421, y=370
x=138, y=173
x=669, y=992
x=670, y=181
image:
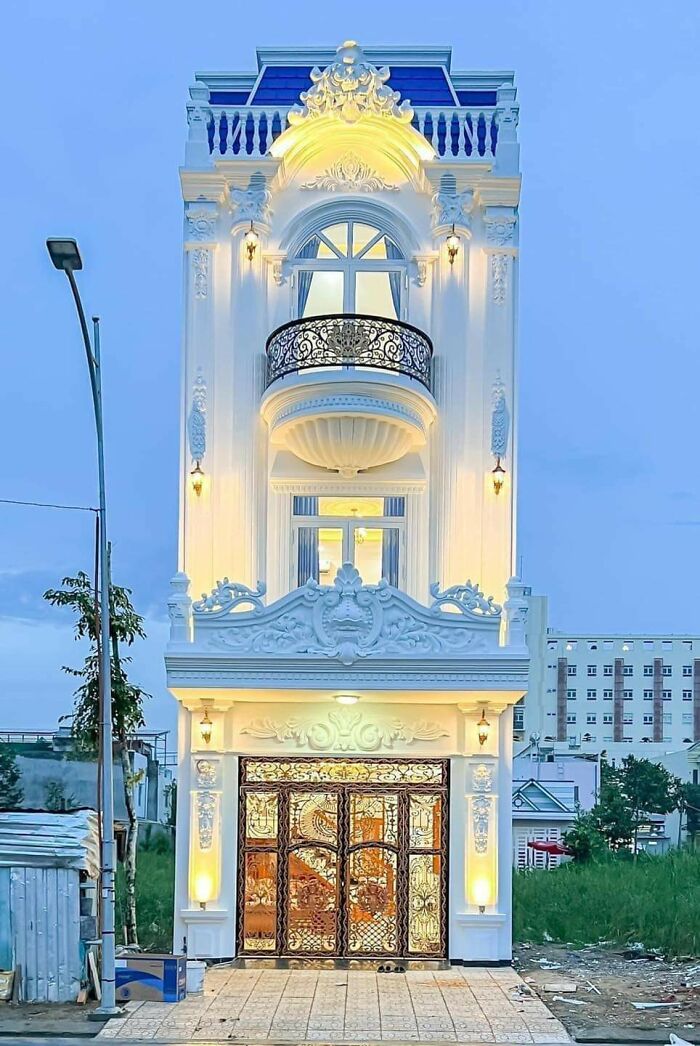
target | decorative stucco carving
x=482, y=777
x=481, y=815
x=253, y=203
x=278, y=273
x=468, y=599
x=344, y=731
x=179, y=608
x=227, y=595
x=197, y=419
x=499, y=277
x=200, y=272
x=206, y=773
x=206, y=811
x=201, y=225
x=453, y=208
x=347, y=621
x=421, y=272
x=349, y=89
x=500, y=231
x=499, y=419
x=350, y=174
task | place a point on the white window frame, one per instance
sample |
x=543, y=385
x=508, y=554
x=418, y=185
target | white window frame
x=348, y=525
x=350, y=265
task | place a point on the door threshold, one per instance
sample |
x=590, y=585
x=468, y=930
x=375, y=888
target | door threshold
x=269, y=963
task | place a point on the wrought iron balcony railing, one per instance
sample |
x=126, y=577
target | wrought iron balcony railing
x=349, y=340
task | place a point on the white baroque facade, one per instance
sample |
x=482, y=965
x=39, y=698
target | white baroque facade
x=348, y=461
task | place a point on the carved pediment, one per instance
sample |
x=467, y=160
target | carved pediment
x=349, y=621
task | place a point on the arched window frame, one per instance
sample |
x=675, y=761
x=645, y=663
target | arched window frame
x=349, y=264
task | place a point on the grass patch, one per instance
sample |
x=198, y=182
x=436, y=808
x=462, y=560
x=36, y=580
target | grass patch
x=655, y=901
x=155, y=891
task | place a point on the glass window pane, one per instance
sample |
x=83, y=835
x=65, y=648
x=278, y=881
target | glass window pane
x=367, y=543
x=338, y=236
x=319, y=293
x=330, y=553
x=361, y=236
x=378, y=294
x=374, y=819
x=391, y=543
x=425, y=822
x=351, y=507
x=372, y=901
x=313, y=817
x=383, y=248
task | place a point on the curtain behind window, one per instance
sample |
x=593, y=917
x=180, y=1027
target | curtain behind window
x=394, y=507
x=307, y=554
x=309, y=250
x=393, y=252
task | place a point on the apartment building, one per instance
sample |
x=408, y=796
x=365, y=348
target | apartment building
x=621, y=693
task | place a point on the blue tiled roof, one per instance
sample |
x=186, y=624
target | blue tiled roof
x=228, y=97
x=282, y=85
x=477, y=97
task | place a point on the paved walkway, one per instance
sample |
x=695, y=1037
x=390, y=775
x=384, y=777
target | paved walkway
x=462, y=1004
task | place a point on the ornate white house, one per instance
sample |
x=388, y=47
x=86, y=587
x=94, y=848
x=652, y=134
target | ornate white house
x=348, y=461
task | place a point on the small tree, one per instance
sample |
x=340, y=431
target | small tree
x=611, y=814
x=11, y=793
x=127, y=698
x=584, y=839
x=647, y=788
x=55, y=797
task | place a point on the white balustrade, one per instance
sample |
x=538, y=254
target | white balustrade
x=248, y=131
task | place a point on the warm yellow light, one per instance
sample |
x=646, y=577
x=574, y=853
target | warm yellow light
x=251, y=242
x=197, y=478
x=203, y=888
x=453, y=243
x=481, y=892
x=498, y=474
x=205, y=727
x=483, y=727
x=347, y=699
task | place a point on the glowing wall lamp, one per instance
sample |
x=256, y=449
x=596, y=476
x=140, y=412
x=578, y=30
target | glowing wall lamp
x=498, y=475
x=205, y=726
x=481, y=893
x=453, y=243
x=251, y=241
x=203, y=889
x=197, y=478
x=483, y=727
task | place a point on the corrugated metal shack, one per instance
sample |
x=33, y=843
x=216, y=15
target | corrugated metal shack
x=48, y=861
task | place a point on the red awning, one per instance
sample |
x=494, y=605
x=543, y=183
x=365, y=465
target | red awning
x=548, y=848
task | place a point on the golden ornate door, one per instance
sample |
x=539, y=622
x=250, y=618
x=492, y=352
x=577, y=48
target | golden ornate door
x=343, y=857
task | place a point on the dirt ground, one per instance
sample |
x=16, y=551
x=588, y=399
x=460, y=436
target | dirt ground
x=47, y=1019
x=608, y=983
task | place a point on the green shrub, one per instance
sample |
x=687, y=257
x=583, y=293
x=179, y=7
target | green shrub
x=655, y=901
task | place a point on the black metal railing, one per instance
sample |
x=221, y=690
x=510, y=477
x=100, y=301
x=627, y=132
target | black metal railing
x=349, y=340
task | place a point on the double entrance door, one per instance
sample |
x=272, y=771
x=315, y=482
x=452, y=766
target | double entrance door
x=342, y=857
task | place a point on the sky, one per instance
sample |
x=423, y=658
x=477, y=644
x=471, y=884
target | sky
x=94, y=132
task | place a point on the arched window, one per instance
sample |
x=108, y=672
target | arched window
x=350, y=267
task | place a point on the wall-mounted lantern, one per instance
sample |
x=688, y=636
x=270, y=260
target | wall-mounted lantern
x=483, y=726
x=498, y=476
x=205, y=726
x=251, y=241
x=453, y=243
x=197, y=478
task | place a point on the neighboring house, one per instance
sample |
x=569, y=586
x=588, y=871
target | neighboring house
x=684, y=764
x=548, y=791
x=623, y=694
x=348, y=449
x=49, y=867
x=55, y=777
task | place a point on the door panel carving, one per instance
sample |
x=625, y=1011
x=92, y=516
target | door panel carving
x=343, y=857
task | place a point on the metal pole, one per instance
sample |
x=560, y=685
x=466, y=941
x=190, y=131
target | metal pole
x=108, y=1007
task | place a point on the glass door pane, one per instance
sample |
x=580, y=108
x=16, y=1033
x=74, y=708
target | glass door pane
x=330, y=553
x=319, y=292
x=367, y=556
x=378, y=294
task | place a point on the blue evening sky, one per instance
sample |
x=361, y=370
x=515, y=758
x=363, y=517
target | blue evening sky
x=94, y=130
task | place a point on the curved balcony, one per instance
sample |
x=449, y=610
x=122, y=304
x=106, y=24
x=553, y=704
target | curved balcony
x=348, y=392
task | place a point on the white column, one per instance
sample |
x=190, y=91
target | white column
x=201, y=243
x=499, y=393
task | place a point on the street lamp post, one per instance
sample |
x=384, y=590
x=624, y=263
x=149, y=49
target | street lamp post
x=65, y=255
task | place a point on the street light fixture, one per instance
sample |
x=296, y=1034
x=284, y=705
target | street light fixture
x=65, y=255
